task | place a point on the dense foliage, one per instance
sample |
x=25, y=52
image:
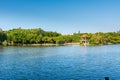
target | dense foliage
x=39, y=36
x=30, y=36
x=104, y=38
x=3, y=36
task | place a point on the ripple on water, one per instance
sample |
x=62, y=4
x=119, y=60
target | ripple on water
x=60, y=63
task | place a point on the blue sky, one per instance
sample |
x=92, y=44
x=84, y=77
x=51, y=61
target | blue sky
x=64, y=16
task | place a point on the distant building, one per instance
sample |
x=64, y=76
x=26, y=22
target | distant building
x=19, y=28
x=0, y=29
x=118, y=31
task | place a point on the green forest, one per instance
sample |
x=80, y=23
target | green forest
x=39, y=36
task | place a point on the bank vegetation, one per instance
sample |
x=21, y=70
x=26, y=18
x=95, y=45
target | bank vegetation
x=38, y=36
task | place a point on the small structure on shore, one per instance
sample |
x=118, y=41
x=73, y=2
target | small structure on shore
x=84, y=40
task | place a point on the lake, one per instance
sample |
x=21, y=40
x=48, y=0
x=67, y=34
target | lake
x=60, y=63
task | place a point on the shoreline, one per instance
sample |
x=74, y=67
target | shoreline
x=44, y=44
x=51, y=44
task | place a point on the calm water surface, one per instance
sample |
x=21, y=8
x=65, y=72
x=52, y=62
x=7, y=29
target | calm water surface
x=60, y=63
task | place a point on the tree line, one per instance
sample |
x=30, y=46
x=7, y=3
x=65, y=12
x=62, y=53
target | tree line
x=39, y=36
